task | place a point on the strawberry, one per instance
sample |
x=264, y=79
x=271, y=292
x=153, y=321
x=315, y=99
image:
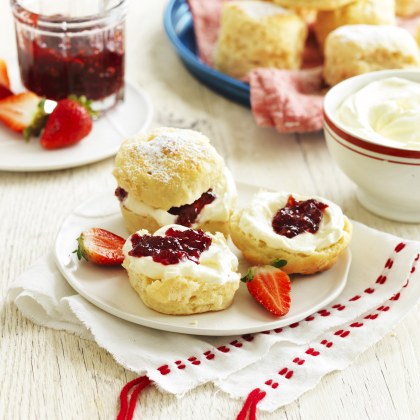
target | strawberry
x=5, y=91
x=4, y=76
x=100, y=247
x=270, y=286
x=70, y=122
x=23, y=112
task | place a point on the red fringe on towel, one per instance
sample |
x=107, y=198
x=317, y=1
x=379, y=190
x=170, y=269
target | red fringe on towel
x=250, y=405
x=128, y=403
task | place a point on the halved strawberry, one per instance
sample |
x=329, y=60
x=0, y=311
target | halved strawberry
x=23, y=112
x=4, y=75
x=100, y=246
x=70, y=122
x=270, y=286
x=5, y=92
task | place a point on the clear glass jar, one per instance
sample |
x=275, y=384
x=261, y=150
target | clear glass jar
x=72, y=47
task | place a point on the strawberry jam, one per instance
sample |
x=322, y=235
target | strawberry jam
x=83, y=69
x=188, y=213
x=298, y=217
x=171, y=249
x=72, y=47
x=121, y=194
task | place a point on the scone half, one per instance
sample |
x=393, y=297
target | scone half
x=173, y=282
x=181, y=295
x=307, y=253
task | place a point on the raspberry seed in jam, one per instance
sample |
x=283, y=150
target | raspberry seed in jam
x=188, y=213
x=298, y=217
x=177, y=245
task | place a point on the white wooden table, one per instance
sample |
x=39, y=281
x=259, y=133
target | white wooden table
x=55, y=375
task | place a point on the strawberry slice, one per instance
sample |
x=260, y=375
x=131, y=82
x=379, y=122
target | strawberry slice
x=270, y=286
x=100, y=246
x=69, y=123
x=5, y=92
x=4, y=75
x=23, y=112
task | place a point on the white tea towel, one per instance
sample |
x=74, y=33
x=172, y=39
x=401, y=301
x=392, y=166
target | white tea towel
x=383, y=285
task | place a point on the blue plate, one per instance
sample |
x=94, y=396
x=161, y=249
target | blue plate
x=179, y=28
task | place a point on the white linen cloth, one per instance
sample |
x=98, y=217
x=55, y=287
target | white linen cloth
x=383, y=285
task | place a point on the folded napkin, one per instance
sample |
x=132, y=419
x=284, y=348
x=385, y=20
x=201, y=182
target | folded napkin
x=281, y=364
x=290, y=101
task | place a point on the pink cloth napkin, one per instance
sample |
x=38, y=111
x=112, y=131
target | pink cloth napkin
x=290, y=101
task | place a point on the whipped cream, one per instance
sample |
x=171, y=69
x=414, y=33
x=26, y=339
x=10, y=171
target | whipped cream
x=217, y=265
x=256, y=220
x=216, y=211
x=385, y=112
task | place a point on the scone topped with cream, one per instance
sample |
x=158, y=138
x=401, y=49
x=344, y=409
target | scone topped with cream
x=310, y=233
x=181, y=271
x=172, y=175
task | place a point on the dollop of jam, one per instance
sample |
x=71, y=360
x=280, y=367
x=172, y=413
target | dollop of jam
x=298, y=217
x=177, y=245
x=188, y=213
x=121, y=194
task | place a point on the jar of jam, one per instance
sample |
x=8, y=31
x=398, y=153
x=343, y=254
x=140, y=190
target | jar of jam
x=72, y=47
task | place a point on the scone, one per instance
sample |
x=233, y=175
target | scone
x=172, y=175
x=310, y=233
x=418, y=35
x=370, y=12
x=258, y=34
x=181, y=271
x=313, y=4
x=356, y=49
x=407, y=7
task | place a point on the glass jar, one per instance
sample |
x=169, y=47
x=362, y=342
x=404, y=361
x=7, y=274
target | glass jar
x=72, y=47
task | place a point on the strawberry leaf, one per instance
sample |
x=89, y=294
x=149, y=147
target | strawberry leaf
x=248, y=276
x=38, y=122
x=86, y=103
x=278, y=263
x=80, y=252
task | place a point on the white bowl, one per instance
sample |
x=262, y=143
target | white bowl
x=388, y=178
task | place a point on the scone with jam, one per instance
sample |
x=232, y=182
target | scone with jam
x=181, y=271
x=172, y=175
x=310, y=233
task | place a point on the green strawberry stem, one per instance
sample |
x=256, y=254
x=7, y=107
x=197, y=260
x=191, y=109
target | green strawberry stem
x=278, y=263
x=80, y=251
x=248, y=276
x=38, y=122
x=85, y=103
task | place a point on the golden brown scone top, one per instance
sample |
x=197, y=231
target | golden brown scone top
x=313, y=4
x=168, y=167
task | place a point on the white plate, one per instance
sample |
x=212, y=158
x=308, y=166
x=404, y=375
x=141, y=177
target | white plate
x=109, y=289
x=128, y=118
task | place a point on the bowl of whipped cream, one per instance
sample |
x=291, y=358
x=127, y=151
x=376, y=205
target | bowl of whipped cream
x=372, y=130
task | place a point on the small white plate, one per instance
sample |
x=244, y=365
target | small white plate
x=110, y=290
x=128, y=118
